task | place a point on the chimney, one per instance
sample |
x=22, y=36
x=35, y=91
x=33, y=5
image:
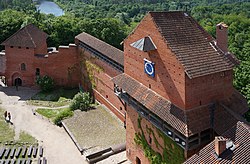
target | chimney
x=221, y=37
x=220, y=145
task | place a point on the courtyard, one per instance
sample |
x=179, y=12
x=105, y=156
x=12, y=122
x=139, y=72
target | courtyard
x=92, y=132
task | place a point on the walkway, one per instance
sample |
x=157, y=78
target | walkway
x=58, y=147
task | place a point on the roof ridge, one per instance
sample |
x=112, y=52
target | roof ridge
x=27, y=31
x=99, y=40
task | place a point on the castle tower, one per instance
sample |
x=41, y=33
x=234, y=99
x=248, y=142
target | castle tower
x=175, y=82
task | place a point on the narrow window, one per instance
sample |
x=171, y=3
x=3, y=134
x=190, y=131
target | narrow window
x=120, y=108
x=149, y=85
x=23, y=67
x=150, y=140
x=37, y=71
x=107, y=96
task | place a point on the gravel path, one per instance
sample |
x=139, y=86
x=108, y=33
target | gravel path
x=58, y=147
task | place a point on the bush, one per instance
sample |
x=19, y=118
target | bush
x=81, y=101
x=46, y=83
x=62, y=115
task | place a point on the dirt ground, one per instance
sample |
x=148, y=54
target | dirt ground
x=58, y=147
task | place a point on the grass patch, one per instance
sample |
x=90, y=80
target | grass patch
x=55, y=98
x=6, y=132
x=55, y=115
x=25, y=137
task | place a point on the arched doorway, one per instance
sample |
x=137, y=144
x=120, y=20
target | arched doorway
x=137, y=160
x=18, y=82
x=17, y=79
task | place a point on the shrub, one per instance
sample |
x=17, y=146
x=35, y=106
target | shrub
x=46, y=83
x=62, y=115
x=81, y=101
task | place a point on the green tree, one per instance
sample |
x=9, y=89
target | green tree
x=46, y=83
x=81, y=101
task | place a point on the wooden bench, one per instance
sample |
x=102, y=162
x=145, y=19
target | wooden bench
x=29, y=161
x=19, y=161
x=40, y=151
x=12, y=153
x=2, y=152
x=30, y=151
x=39, y=161
x=44, y=160
x=34, y=151
x=13, y=161
x=24, y=151
x=24, y=161
x=7, y=152
x=18, y=151
x=7, y=161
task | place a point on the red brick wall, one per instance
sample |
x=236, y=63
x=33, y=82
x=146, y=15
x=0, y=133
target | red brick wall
x=208, y=89
x=104, y=87
x=134, y=150
x=222, y=37
x=55, y=65
x=14, y=58
x=169, y=78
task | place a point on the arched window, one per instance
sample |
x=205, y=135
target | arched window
x=23, y=67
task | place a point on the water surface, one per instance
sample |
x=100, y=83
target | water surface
x=48, y=7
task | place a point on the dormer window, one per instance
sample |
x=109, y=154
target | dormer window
x=145, y=44
x=23, y=67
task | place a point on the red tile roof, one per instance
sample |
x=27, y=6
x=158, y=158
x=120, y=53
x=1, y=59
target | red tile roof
x=239, y=153
x=102, y=47
x=186, y=122
x=28, y=36
x=192, y=45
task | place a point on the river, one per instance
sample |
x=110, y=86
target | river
x=49, y=7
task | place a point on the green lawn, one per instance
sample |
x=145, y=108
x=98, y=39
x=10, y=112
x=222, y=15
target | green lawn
x=6, y=132
x=56, y=98
x=25, y=137
x=56, y=115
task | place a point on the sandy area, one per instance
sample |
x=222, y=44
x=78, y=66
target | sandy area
x=58, y=147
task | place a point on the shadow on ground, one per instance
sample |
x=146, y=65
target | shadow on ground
x=23, y=93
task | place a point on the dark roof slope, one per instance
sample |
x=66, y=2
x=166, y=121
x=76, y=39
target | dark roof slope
x=102, y=47
x=28, y=36
x=239, y=153
x=192, y=45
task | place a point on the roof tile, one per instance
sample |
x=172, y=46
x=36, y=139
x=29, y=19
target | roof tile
x=192, y=45
x=102, y=47
x=28, y=36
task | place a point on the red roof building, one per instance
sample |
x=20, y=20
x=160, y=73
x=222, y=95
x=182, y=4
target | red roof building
x=177, y=83
x=173, y=86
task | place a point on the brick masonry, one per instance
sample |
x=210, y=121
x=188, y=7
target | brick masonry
x=55, y=65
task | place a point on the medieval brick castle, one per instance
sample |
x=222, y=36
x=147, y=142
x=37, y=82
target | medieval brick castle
x=172, y=86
